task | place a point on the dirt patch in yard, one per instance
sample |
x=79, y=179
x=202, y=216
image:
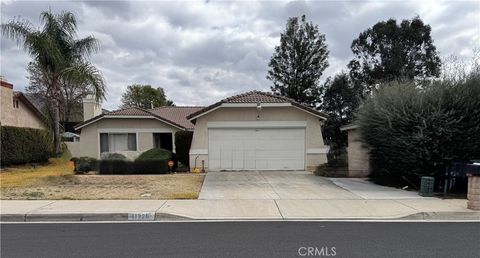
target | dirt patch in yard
x=109, y=187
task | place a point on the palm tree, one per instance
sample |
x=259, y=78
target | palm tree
x=60, y=56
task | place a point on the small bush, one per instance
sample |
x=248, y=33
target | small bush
x=155, y=154
x=25, y=145
x=183, y=142
x=85, y=164
x=113, y=156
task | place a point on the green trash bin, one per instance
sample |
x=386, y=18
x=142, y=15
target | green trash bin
x=426, y=186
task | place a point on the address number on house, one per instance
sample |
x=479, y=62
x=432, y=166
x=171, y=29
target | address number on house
x=141, y=216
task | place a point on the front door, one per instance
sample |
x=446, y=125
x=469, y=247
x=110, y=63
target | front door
x=163, y=141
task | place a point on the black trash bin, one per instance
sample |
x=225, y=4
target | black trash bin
x=426, y=186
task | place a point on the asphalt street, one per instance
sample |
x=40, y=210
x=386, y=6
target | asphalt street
x=242, y=239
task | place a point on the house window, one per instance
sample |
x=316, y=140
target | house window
x=15, y=103
x=115, y=142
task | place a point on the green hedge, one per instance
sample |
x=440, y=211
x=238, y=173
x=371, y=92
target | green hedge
x=115, y=166
x=151, y=166
x=24, y=145
x=183, y=141
x=155, y=154
x=119, y=167
x=153, y=161
x=413, y=132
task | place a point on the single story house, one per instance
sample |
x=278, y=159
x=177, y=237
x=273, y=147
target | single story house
x=17, y=110
x=129, y=131
x=249, y=131
x=258, y=131
x=358, y=158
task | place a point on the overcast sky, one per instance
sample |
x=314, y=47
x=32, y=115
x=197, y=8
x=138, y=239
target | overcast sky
x=201, y=52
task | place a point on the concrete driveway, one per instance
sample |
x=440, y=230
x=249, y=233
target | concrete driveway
x=273, y=185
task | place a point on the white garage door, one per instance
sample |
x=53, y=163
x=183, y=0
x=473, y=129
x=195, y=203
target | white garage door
x=256, y=149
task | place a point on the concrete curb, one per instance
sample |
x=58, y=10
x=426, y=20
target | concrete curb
x=83, y=217
x=445, y=215
x=74, y=217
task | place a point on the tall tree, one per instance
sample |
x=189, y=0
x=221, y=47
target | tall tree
x=60, y=55
x=389, y=51
x=70, y=102
x=145, y=96
x=298, y=63
x=340, y=98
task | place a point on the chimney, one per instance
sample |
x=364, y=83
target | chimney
x=91, y=108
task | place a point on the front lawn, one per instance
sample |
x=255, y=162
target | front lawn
x=56, y=181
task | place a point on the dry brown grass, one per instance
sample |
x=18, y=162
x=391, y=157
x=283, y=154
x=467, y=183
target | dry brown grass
x=31, y=175
x=55, y=181
x=110, y=187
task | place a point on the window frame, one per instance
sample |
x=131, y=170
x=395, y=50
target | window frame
x=108, y=140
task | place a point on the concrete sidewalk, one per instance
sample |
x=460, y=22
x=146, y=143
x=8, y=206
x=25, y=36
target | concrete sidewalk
x=367, y=190
x=124, y=210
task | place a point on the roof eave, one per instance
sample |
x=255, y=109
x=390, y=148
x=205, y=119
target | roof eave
x=151, y=116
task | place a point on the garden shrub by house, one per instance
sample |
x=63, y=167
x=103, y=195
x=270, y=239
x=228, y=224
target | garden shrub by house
x=157, y=154
x=24, y=145
x=153, y=161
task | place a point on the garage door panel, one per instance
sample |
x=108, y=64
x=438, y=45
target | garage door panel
x=256, y=149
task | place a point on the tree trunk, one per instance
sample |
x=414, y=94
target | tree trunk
x=56, y=113
x=56, y=126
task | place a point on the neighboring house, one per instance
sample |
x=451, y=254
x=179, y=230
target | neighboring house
x=250, y=131
x=16, y=110
x=67, y=121
x=258, y=131
x=358, y=158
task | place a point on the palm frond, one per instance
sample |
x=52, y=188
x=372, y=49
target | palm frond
x=86, y=46
x=68, y=23
x=17, y=30
x=84, y=73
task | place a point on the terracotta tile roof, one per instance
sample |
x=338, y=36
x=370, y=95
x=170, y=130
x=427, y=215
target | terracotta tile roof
x=257, y=97
x=177, y=114
x=131, y=111
x=171, y=115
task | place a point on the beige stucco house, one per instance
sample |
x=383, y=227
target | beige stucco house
x=358, y=158
x=250, y=131
x=258, y=131
x=129, y=131
x=16, y=110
